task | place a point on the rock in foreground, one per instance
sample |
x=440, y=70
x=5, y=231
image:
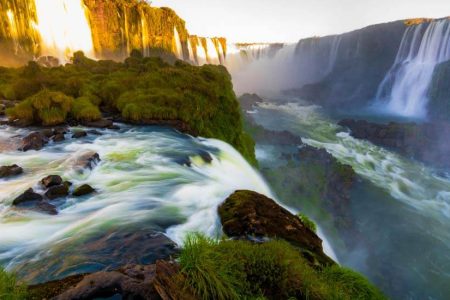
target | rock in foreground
x=10, y=171
x=247, y=214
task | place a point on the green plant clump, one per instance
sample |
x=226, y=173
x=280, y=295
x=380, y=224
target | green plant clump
x=234, y=269
x=145, y=90
x=10, y=289
x=308, y=222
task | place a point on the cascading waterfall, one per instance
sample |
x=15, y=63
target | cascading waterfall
x=404, y=90
x=64, y=28
x=177, y=47
x=142, y=177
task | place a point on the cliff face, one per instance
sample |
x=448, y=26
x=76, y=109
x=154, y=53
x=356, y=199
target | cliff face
x=347, y=69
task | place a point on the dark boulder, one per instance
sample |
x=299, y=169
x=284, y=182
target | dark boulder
x=46, y=208
x=28, y=196
x=248, y=101
x=51, y=180
x=57, y=191
x=33, y=141
x=206, y=157
x=59, y=137
x=94, y=132
x=79, y=134
x=247, y=214
x=9, y=171
x=83, y=190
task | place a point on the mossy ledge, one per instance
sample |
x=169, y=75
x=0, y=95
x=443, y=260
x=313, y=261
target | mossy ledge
x=196, y=100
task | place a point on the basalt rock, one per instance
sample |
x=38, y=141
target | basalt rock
x=10, y=171
x=57, y=191
x=249, y=215
x=33, y=141
x=79, y=134
x=51, y=180
x=28, y=196
x=87, y=160
x=83, y=190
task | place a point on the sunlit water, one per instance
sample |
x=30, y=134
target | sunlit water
x=141, y=184
x=402, y=212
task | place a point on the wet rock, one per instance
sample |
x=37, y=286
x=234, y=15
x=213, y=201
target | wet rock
x=33, y=141
x=157, y=281
x=207, y=158
x=28, y=196
x=79, y=134
x=249, y=215
x=114, y=127
x=59, y=137
x=248, y=101
x=60, y=130
x=57, y=191
x=10, y=171
x=83, y=190
x=48, y=132
x=87, y=160
x=51, y=180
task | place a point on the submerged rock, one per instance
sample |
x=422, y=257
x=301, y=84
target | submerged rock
x=103, y=123
x=83, y=190
x=59, y=137
x=33, y=141
x=87, y=160
x=28, y=196
x=51, y=180
x=10, y=171
x=247, y=214
x=57, y=191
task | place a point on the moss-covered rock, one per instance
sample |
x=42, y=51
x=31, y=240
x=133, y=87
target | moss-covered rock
x=249, y=214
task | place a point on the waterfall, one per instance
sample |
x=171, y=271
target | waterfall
x=404, y=90
x=177, y=47
x=64, y=28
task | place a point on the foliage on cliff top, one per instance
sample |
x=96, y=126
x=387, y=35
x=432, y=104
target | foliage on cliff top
x=141, y=90
x=232, y=269
x=10, y=289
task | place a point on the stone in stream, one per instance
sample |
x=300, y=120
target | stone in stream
x=45, y=207
x=102, y=123
x=51, y=180
x=79, y=134
x=57, y=191
x=59, y=137
x=33, y=141
x=83, y=190
x=28, y=196
x=87, y=160
x=9, y=171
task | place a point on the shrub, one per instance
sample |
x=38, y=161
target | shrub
x=84, y=110
x=10, y=289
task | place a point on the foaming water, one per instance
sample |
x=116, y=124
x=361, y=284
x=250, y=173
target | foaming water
x=142, y=181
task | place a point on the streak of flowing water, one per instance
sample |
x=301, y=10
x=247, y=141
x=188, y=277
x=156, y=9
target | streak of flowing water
x=141, y=182
x=405, y=87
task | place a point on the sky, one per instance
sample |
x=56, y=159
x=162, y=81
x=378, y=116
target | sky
x=291, y=20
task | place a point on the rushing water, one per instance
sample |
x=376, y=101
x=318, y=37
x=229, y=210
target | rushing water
x=401, y=208
x=405, y=87
x=142, y=183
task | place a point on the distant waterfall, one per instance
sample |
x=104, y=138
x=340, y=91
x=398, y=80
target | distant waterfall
x=404, y=89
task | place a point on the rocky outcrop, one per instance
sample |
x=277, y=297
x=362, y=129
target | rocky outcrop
x=10, y=171
x=249, y=215
x=158, y=281
x=28, y=196
x=427, y=142
x=248, y=101
x=33, y=141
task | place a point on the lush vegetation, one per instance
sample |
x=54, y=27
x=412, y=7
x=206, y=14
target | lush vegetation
x=140, y=90
x=10, y=289
x=308, y=222
x=233, y=269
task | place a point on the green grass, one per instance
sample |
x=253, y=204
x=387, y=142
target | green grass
x=308, y=222
x=10, y=289
x=232, y=269
x=140, y=90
